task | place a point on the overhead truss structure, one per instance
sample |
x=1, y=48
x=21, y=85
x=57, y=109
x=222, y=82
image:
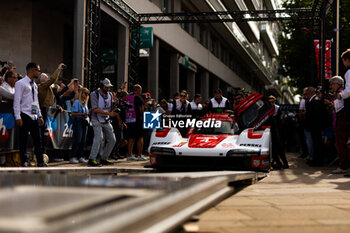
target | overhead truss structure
x=227, y=16
x=92, y=56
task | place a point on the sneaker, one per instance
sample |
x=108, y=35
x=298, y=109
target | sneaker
x=26, y=164
x=42, y=165
x=106, y=162
x=132, y=158
x=73, y=161
x=93, y=163
x=114, y=156
x=340, y=171
x=141, y=158
x=82, y=160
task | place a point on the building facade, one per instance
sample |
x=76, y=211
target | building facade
x=197, y=57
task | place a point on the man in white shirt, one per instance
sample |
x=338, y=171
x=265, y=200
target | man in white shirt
x=218, y=104
x=346, y=93
x=27, y=114
x=7, y=89
x=196, y=106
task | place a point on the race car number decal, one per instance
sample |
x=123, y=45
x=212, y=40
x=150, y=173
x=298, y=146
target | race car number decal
x=205, y=141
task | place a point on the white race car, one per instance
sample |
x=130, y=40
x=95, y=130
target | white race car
x=238, y=143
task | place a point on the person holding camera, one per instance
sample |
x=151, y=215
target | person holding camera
x=101, y=113
x=7, y=66
x=47, y=97
x=121, y=106
x=80, y=122
x=64, y=93
x=118, y=122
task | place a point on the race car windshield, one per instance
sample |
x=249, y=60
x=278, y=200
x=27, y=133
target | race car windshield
x=250, y=116
x=226, y=128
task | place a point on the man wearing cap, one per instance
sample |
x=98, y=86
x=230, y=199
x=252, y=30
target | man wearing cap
x=101, y=106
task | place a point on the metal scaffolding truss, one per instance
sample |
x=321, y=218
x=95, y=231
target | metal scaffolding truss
x=227, y=16
x=92, y=56
x=123, y=9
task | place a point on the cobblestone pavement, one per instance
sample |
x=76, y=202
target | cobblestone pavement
x=300, y=199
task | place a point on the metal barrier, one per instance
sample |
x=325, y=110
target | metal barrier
x=58, y=131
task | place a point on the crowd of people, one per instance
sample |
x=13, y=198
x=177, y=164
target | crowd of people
x=116, y=117
x=323, y=122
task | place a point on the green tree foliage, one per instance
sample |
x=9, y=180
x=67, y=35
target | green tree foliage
x=297, y=53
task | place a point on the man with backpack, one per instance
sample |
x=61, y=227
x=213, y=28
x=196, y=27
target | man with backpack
x=101, y=112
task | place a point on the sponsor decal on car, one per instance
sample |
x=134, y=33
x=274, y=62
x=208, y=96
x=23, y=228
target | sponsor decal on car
x=265, y=162
x=160, y=143
x=256, y=163
x=180, y=144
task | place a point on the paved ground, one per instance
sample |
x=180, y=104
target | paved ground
x=121, y=163
x=299, y=199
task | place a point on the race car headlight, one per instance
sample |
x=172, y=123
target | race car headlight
x=241, y=153
x=162, y=151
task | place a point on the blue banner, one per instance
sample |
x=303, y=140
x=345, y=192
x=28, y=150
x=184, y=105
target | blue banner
x=58, y=133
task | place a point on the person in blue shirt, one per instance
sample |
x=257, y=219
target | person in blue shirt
x=80, y=125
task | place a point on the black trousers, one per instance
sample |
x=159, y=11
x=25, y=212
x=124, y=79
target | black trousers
x=32, y=126
x=42, y=128
x=316, y=135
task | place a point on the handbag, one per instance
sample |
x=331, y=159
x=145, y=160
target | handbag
x=85, y=121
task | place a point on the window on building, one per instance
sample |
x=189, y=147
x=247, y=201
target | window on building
x=188, y=27
x=222, y=54
x=214, y=45
x=232, y=62
x=203, y=36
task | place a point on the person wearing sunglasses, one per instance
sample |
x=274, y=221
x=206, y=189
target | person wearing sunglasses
x=101, y=113
x=80, y=122
x=181, y=107
x=28, y=115
x=218, y=104
x=278, y=152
